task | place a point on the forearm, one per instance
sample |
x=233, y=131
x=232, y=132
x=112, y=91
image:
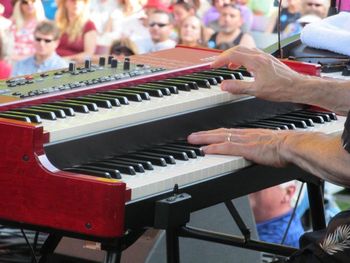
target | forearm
x=329, y=94
x=319, y=154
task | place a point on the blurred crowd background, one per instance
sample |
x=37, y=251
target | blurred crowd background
x=40, y=35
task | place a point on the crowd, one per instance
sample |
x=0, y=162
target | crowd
x=91, y=28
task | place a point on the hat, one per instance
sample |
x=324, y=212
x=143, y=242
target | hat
x=157, y=4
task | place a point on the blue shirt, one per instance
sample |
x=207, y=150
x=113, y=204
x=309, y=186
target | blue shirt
x=273, y=230
x=29, y=66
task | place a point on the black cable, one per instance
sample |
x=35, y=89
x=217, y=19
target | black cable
x=290, y=219
x=279, y=26
x=30, y=246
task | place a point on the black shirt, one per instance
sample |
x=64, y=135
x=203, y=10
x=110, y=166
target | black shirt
x=346, y=134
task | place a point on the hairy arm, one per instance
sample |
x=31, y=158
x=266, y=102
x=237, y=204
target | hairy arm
x=275, y=81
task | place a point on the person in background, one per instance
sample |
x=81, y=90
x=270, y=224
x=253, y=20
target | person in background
x=183, y=9
x=315, y=7
x=289, y=14
x=192, y=32
x=8, y=5
x=25, y=17
x=128, y=21
x=100, y=11
x=5, y=67
x=46, y=37
x=272, y=208
x=230, y=33
x=261, y=10
x=213, y=13
x=5, y=23
x=160, y=28
x=123, y=48
x=78, y=39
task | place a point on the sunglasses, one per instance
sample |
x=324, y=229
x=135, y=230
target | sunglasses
x=39, y=39
x=157, y=24
x=314, y=4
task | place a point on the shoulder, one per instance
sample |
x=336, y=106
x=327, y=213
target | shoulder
x=89, y=26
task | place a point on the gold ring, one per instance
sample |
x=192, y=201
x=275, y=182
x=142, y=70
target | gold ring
x=229, y=137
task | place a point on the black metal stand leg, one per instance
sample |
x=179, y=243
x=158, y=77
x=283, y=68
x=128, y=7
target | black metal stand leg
x=113, y=257
x=49, y=247
x=315, y=193
x=172, y=246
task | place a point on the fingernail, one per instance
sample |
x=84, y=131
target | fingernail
x=223, y=86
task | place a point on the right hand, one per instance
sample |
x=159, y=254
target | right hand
x=273, y=80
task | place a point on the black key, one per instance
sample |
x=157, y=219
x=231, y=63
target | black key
x=243, y=71
x=190, y=153
x=191, y=84
x=238, y=75
x=313, y=117
x=113, y=101
x=33, y=117
x=129, y=95
x=14, y=117
x=164, y=91
x=224, y=75
x=151, y=91
x=143, y=94
x=122, y=99
x=180, y=85
x=154, y=160
x=261, y=126
x=126, y=169
x=69, y=111
x=210, y=79
x=173, y=89
x=331, y=115
x=180, y=155
x=102, y=103
x=290, y=126
x=197, y=150
x=297, y=123
x=167, y=157
x=113, y=172
x=110, y=162
x=89, y=172
x=203, y=83
x=75, y=106
x=273, y=124
x=146, y=164
x=58, y=112
x=308, y=121
x=45, y=114
x=90, y=105
x=217, y=77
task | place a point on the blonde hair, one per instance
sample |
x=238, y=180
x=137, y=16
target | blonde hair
x=17, y=16
x=75, y=28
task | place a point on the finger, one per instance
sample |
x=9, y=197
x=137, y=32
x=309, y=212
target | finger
x=208, y=138
x=238, y=86
x=219, y=130
x=226, y=148
x=235, y=57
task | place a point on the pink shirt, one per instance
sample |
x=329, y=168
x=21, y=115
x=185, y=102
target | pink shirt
x=66, y=48
x=23, y=40
x=345, y=5
x=5, y=70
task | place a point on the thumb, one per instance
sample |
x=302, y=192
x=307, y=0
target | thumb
x=237, y=86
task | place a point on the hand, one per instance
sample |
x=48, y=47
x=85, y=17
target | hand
x=258, y=145
x=273, y=80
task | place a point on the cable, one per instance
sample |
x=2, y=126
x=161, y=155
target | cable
x=30, y=246
x=279, y=26
x=290, y=219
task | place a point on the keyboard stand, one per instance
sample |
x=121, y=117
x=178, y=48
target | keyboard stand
x=176, y=227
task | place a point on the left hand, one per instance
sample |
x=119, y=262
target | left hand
x=258, y=145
